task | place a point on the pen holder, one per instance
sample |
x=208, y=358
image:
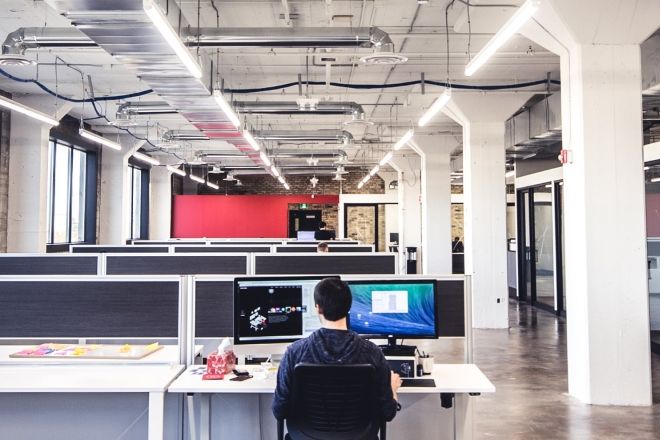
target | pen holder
x=427, y=364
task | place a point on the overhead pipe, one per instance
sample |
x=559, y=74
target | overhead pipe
x=338, y=136
x=22, y=39
x=288, y=108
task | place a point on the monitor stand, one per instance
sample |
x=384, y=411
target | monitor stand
x=393, y=349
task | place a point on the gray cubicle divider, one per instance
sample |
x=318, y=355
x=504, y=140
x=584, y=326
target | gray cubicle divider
x=125, y=249
x=168, y=242
x=177, y=264
x=222, y=248
x=42, y=307
x=383, y=263
x=48, y=264
x=290, y=248
x=246, y=243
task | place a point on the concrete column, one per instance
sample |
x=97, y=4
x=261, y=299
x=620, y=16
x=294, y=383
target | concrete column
x=114, y=216
x=160, y=200
x=484, y=188
x=436, y=202
x=604, y=212
x=27, y=219
x=410, y=219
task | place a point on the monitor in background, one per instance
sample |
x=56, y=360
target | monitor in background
x=394, y=237
x=305, y=235
x=274, y=310
x=394, y=309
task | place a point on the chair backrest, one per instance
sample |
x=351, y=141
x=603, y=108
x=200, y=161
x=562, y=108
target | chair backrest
x=334, y=402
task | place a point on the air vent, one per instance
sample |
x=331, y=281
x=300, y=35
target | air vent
x=15, y=60
x=383, y=58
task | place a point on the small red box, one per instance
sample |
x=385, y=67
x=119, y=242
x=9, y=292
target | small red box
x=219, y=364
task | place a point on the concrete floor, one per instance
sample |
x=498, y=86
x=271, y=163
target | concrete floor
x=527, y=364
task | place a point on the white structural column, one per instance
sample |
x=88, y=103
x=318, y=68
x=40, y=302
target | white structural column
x=604, y=208
x=114, y=217
x=27, y=225
x=484, y=189
x=410, y=218
x=160, y=201
x=436, y=202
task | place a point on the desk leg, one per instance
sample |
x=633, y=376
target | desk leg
x=463, y=417
x=156, y=414
x=205, y=416
x=190, y=405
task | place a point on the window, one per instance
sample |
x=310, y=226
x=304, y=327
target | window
x=138, y=180
x=67, y=194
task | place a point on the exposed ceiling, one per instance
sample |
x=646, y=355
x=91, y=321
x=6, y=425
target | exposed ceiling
x=417, y=31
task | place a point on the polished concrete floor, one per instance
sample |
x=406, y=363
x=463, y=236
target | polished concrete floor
x=527, y=364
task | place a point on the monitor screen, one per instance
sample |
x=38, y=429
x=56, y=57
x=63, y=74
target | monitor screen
x=274, y=310
x=306, y=235
x=394, y=308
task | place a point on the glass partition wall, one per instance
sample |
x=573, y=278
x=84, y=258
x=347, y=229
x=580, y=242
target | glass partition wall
x=540, y=250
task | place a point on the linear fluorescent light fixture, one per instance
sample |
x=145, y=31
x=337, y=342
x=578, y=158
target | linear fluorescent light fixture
x=274, y=171
x=366, y=178
x=99, y=139
x=386, y=159
x=176, y=170
x=437, y=105
x=145, y=158
x=212, y=185
x=404, y=140
x=512, y=25
x=197, y=179
x=281, y=180
x=286, y=186
x=248, y=137
x=360, y=185
x=374, y=170
x=27, y=111
x=264, y=158
x=655, y=180
x=167, y=31
x=226, y=108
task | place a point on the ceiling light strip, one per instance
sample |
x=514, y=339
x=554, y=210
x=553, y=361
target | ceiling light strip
x=226, y=108
x=437, y=105
x=144, y=158
x=27, y=111
x=175, y=170
x=197, y=179
x=99, y=139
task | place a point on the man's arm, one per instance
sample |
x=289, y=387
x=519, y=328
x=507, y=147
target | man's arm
x=282, y=396
x=386, y=385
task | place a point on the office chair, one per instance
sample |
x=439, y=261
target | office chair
x=334, y=402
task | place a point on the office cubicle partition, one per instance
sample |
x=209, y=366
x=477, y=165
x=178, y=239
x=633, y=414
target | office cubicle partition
x=48, y=264
x=290, y=248
x=126, y=249
x=325, y=264
x=177, y=264
x=168, y=242
x=89, y=307
x=222, y=248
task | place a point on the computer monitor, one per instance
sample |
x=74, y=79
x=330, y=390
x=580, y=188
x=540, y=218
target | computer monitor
x=394, y=309
x=306, y=235
x=275, y=309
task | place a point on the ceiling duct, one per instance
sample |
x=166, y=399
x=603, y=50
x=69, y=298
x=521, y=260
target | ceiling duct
x=293, y=136
x=144, y=108
x=23, y=39
x=289, y=108
x=534, y=129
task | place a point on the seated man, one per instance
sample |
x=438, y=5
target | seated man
x=333, y=343
x=322, y=247
x=324, y=234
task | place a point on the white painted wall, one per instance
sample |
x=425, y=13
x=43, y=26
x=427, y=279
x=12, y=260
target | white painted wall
x=160, y=201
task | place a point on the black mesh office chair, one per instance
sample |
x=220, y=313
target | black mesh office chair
x=334, y=402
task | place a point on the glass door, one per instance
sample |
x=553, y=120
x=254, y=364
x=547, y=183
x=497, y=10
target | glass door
x=544, y=247
x=525, y=245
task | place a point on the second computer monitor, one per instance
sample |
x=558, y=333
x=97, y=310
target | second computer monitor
x=394, y=308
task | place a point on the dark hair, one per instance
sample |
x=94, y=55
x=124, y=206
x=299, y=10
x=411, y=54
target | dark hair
x=334, y=298
x=322, y=246
x=322, y=224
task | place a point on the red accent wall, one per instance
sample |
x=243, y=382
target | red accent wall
x=237, y=216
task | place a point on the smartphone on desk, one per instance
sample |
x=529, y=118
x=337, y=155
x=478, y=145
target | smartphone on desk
x=241, y=378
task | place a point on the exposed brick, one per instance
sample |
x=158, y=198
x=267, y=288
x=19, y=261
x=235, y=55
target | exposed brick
x=4, y=177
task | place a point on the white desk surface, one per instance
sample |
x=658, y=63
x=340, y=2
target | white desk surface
x=87, y=378
x=449, y=378
x=169, y=354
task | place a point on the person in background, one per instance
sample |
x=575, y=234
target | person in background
x=457, y=246
x=322, y=247
x=334, y=344
x=323, y=233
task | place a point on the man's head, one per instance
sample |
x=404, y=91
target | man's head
x=333, y=299
x=322, y=224
x=322, y=247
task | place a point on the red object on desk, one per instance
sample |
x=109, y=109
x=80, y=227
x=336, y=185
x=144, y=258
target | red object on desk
x=219, y=364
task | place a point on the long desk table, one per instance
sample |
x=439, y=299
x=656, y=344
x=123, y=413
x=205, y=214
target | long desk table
x=85, y=398
x=455, y=382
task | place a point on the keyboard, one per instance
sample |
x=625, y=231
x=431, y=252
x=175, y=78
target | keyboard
x=423, y=383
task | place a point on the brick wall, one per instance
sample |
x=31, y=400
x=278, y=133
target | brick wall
x=266, y=184
x=457, y=218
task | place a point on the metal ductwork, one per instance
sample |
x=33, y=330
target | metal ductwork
x=290, y=108
x=23, y=39
x=144, y=108
x=312, y=37
x=294, y=136
x=536, y=128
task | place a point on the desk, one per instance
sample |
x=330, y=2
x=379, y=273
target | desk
x=458, y=379
x=114, y=393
